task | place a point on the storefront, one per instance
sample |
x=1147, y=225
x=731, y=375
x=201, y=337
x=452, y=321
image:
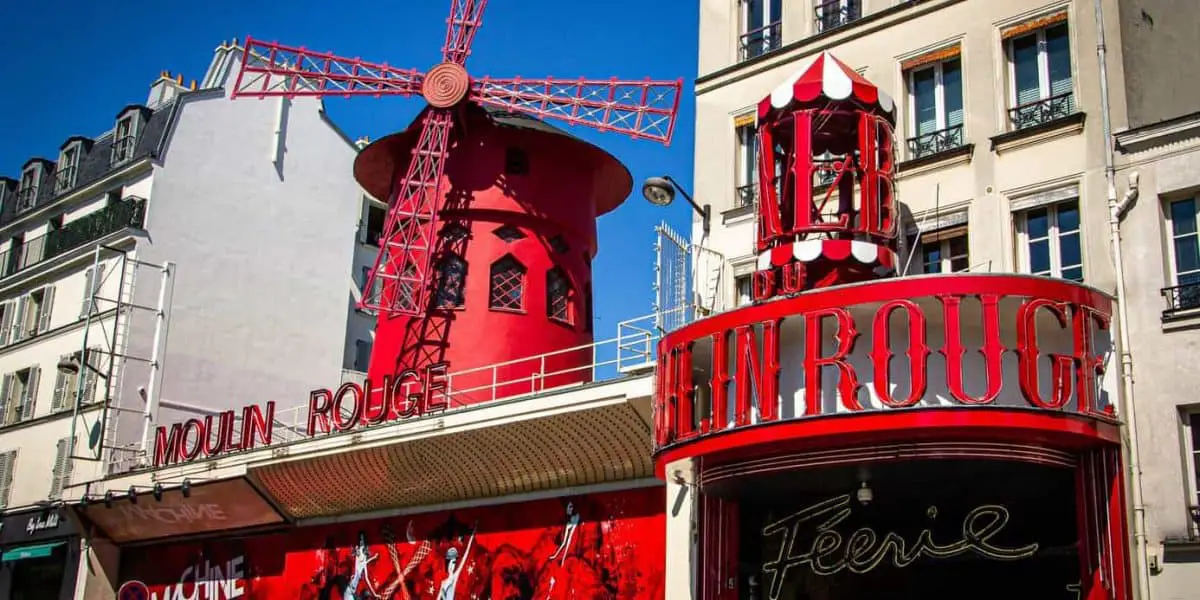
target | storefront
x=39, y=555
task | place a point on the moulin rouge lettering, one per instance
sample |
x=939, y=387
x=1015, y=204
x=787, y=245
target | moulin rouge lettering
x=830, y=552
x=408, y=394
x=756, y=355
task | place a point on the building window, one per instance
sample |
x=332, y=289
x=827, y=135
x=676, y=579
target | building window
x=362, y=355
x=944, y=251
x=935, y=108
x=1184, y=294
x=558, y=296
x=68, y=165
x=1191, y=436
x=33, y=314
x=761, y=27
x=516, y=161
x=831, y=14
x=507, y=287
x=93, y=279
x=63, y=465
x=1039, y=74
x=18, y=395
x=66, y=385
x=509, y=234
x=8, y=464
x=1050, y=241
x=124, y=139
x=744, y=288
x=452, y=278
x=373, y=224
x=27, y=192
x=746, y=165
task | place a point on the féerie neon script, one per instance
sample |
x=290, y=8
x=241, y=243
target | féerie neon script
x=830, y=552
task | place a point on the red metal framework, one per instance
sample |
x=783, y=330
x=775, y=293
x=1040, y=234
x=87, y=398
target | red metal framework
x=641, y=109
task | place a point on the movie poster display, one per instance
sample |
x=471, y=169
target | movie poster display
x=599, y=546
x=923, y=529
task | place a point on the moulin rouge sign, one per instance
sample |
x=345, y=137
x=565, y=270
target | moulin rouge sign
x=409, y=394
x=746, y=350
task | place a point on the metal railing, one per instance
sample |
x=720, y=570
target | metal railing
x=1181, y=298
x=27, y=198
x=836, y=13
x=1043, y=111
x=64, y=179
x=758, y=42
x=935, y=142
x=745, y=195
x=129, y=212
x=122, y=149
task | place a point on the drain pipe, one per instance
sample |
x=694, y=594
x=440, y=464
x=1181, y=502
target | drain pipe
x=1116, y=209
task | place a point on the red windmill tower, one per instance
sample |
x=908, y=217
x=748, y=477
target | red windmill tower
x=486, y=250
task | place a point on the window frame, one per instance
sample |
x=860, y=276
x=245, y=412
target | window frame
x=568, y=297
x=1172, y=257
x=68, y=164
x=1192, y=462
x=29, y=189
x=743, y=297
x=943, y=238
x=939, y=102
x=771, y=28
x=440, y=287
x=852, y=9
x=524, y=285
x=122, y=152
x=1053, y=235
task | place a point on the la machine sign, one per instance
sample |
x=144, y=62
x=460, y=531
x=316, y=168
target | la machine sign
x=409, y=394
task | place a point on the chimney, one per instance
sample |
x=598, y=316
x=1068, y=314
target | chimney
x=164, y=89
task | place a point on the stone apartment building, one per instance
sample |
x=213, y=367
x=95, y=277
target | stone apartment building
x=242, y=216
x=1008, y=162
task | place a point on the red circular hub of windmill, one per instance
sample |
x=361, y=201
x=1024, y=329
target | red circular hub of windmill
x=445, y=85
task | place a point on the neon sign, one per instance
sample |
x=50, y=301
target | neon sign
x=408, y=394
x=862, y=551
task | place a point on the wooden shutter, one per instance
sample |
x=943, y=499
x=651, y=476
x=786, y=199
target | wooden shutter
x=44, y=308
x=6, y=321
x=29, y=397
x=8, y=463
x=6, y=389
x=18, y=329
x=90, y=376
x=85, y=308
x=61, y=383
x=62, y=467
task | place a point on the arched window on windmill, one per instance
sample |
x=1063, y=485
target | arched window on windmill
x=507, y=284
x=452, y=277
x=559, y=296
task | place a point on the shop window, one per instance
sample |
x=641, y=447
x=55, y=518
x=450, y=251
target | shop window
x=507, y=285
x=558, y=296
x=452, y=277
x=1039, y=72
x=1050, y=242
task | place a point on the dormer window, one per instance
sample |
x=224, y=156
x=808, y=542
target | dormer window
x=124, y=138
x=31, y=179
x=68, y=166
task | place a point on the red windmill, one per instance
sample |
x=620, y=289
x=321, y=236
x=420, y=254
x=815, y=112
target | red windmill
x=467, y=117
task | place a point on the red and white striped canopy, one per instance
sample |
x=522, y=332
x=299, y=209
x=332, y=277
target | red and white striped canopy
x=825, y=78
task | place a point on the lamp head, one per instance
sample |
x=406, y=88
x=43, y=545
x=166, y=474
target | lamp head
x=68, y=366
x=658, y=191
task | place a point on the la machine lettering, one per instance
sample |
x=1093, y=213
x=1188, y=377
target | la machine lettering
x=863, y=550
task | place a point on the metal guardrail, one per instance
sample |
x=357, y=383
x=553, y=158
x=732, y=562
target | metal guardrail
x=1181, y=298
x=935, y=142
x=1039, y=112
x=758, y=42
x=832, y=14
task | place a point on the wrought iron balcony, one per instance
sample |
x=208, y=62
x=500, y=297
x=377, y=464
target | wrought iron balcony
x=832, y=14
x=122, y=149
x=1181, y=298
x=745, y=195
x=757, y=42
x=935, y=141
x=1042, y=111
x=130, y=212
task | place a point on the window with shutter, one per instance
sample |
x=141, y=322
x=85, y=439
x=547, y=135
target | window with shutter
x=6, y=321
x=62, y=468
x=6, y=392
x=62, y=383
x=85, y=306
x=18, y=328
x=29, y=393
x=8, y=464
x=45, y=305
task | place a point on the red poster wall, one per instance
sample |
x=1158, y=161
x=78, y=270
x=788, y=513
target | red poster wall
x=609, y=545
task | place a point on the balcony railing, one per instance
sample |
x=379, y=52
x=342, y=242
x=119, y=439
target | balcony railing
x=129, y=212
x=836, y=13
x=745, y=195
x=757, y=42
x=64, y=179
x=1181, y=298
x=935, y=142
x=27, y=198
x=122, y=149
x=1038, y=112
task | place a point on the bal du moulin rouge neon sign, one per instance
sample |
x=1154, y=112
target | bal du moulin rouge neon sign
x=830, y=552
x=409, y=394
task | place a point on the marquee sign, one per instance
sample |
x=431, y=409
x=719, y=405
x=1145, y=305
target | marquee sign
x=957, y=340
x=406, y=395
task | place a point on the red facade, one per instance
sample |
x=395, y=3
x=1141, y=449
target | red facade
x=606, y=545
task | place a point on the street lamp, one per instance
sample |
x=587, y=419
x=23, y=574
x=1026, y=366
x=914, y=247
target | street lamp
x=70, y=366
x=660, y=191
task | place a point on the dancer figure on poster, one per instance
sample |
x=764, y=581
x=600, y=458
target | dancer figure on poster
x=361, y=559
x=454, y=568
x=573, y=519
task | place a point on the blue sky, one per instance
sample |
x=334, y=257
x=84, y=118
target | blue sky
x=72, y=65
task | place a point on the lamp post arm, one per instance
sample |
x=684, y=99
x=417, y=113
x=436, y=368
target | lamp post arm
x=704, y=211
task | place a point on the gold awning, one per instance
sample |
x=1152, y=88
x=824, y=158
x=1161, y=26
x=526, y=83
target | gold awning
x=931, y=57
x=1033, y=25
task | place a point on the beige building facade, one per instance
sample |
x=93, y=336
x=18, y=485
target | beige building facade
x=1003, y=165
